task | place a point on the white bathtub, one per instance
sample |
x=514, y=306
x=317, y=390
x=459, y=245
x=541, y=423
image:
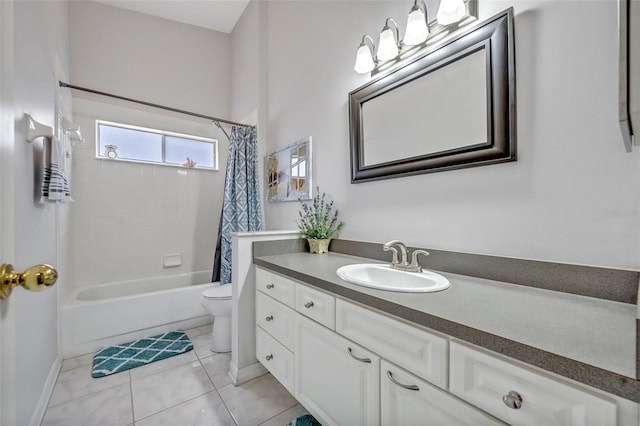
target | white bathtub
x=117, y=312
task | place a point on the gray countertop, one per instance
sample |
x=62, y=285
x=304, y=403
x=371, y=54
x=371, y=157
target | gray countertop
x=584, y=338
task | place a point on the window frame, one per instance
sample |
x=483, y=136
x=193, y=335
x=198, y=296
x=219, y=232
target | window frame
x=163, y=133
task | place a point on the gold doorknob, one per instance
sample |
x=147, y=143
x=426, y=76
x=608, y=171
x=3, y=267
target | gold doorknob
x=36, y=278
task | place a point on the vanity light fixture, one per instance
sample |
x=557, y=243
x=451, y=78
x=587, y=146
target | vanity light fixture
x=388, y=46
x=417, y=26
x=364, y=56
x=452, y=15
x=451, y=11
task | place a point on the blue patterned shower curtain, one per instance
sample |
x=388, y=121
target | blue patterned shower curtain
x=241, y=205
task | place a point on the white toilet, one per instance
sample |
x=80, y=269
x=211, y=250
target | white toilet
x=217, y=301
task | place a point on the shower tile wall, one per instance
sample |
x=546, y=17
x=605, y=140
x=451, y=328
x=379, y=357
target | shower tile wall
x=126, y=216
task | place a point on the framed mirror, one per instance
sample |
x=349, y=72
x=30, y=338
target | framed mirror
x=451, y=107
x=629, y=70
x=289, y=172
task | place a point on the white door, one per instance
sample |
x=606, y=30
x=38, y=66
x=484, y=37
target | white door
x=7, y=354
x=406, y=400
x=336, y=380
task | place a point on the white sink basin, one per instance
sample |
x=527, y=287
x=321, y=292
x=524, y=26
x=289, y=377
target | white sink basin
x=383, y=277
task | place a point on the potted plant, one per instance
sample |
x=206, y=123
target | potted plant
x=318, y=222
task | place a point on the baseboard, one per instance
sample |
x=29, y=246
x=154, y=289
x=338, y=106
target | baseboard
x=239, y=376
x=45, y=395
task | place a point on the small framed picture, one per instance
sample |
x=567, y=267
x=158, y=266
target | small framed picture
x=288, y=172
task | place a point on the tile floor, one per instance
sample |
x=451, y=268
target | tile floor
x=188, y=389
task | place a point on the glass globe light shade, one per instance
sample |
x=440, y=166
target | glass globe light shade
x=417, y=29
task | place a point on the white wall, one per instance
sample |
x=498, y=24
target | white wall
x=126, y=216
x=245, y=63
x=249, y=76
x=144, y=57
x=572, y=196
x=41, y=46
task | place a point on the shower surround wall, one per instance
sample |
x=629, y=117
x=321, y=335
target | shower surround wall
x=127, y=216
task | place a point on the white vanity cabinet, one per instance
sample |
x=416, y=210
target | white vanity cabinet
x=336, y=380
x=351, y=365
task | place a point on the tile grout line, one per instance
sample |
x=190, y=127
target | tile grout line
x=174, y=406
x=163, y=372
x=282, y=412
x=133, y=413
x=80, y=397
x=218, y=392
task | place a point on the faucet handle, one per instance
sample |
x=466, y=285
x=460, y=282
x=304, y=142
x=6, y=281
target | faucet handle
x=414, y=259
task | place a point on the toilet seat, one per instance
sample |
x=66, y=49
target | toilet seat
x=218, y=292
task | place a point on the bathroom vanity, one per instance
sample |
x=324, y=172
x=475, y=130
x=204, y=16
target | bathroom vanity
x=358, y=356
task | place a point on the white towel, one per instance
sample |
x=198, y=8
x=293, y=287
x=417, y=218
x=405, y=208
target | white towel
x=55, y=186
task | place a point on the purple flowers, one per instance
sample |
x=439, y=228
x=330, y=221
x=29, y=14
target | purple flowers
x=318, y=220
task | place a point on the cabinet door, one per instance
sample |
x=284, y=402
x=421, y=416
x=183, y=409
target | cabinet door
x=336, y=380
x=407, y=401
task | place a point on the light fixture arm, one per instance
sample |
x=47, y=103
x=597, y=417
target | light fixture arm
x=419, y=4
x=368, y=41
x=395, y=28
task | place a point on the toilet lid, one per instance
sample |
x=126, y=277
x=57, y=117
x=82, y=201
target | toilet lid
x=218, y=292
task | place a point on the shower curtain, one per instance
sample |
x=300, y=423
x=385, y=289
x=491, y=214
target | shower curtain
x=241, y=204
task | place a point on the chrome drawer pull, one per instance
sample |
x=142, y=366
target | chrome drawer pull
x=308, y=305
x=269, y=318
x=402, y=385
x=270, y=286
x=513, y=400
x=268, y=357
x=366, y=360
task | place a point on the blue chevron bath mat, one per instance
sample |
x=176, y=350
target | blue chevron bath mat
x=126, y=356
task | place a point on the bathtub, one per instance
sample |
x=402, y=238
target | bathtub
x=117, y=312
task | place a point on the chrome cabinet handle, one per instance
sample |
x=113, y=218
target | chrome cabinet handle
x=402, y=385
x=308, y=305
x=513, y=400
x=365, y=360
x=268, y=357
x=270, y=286
x=269, y=318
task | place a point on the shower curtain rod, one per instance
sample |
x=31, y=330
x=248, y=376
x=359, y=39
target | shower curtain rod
x=181, y=111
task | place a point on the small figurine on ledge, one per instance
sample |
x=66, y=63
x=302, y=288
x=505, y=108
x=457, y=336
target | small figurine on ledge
x=189, y=163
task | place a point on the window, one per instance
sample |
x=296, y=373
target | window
x=137, y=144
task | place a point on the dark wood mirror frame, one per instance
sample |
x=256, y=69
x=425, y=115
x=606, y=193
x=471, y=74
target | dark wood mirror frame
x=495, y=36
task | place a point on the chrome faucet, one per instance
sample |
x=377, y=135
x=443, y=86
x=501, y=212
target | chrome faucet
x=390, y=247
x=404, y=264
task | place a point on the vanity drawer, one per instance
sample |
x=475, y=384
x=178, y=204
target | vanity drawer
x=483, y=380
x=316, y=305
x=419, y=351
x=276, y=358
x=276, y=286
x=276, y=319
